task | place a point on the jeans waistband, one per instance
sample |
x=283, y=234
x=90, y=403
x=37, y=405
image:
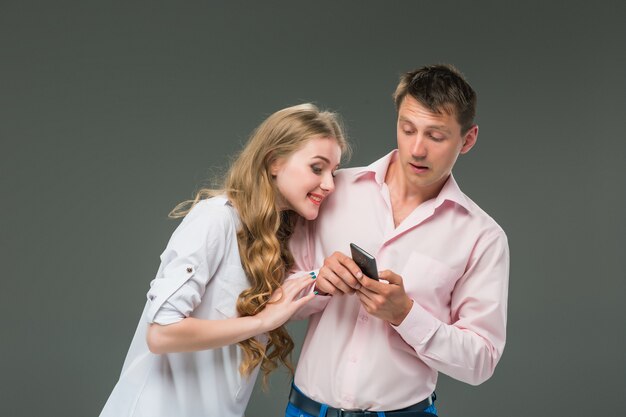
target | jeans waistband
x=310, y=406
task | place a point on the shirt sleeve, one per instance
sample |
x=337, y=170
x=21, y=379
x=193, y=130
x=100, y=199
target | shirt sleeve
x=469, y=348
x=301, y=246
x=188, y=263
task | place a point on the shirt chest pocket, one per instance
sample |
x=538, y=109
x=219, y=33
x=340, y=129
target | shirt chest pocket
x=232, y=281
x=429, y=279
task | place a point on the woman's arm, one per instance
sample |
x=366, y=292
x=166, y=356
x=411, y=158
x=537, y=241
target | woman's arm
x=192, y=334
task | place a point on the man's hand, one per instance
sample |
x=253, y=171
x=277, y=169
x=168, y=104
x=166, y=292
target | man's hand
x=339, y=275
x=388, y=302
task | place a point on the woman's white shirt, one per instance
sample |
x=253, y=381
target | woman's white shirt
x=200, y=276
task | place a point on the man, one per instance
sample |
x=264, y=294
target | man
x=441, y=303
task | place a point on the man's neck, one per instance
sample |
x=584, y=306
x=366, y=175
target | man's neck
x=404, y=196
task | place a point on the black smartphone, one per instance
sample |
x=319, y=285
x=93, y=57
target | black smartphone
x=365, y=261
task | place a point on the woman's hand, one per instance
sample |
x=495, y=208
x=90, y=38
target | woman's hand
x=285, y=302
x=192, y=334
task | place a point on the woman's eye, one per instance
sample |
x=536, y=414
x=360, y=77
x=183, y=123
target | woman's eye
x=316, y=169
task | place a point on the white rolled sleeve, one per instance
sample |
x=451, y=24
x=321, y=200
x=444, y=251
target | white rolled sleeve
x=191, y=258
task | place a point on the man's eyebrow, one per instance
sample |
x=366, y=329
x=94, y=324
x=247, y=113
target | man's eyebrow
x=443, y=128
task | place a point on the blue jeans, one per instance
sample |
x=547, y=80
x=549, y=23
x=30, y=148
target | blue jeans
x=293, y=411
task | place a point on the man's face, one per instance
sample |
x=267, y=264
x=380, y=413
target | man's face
x=428, y=146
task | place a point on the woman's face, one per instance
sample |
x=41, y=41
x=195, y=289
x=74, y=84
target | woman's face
x=305, y=177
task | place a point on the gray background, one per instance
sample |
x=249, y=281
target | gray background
x=112, y=112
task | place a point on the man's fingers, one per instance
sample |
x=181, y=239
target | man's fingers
x=366, y=293
x=390, y=277
x=343, y=267
x=349, y=264
x=367, y=302
x=346, y=276
x=324, y=287
x=340, y=256
x=327, y=275
x=373, y=285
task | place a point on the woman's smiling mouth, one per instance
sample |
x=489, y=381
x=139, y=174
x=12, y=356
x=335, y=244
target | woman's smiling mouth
x=315, y=198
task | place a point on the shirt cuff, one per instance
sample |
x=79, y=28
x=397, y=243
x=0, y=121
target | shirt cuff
x=167, y=314
x=172, y=288
x=418, y=326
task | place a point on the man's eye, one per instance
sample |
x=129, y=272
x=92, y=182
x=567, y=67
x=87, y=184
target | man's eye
x=408, y=132
x=436, y=138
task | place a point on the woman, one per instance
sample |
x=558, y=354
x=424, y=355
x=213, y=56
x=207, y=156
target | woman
x=216, y=308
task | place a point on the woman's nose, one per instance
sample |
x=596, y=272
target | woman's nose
x=328, y=183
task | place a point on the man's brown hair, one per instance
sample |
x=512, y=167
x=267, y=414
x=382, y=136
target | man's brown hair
x=440, y=88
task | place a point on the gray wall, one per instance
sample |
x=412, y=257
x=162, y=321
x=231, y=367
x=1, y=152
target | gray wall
x=112, y=112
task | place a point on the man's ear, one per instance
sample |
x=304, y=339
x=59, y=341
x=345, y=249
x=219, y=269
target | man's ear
x=469, y=139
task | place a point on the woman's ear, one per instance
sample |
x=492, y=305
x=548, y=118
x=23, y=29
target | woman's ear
x=275, y=166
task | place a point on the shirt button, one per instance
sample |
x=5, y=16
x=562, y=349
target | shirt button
x=189, y=269
x=364, y=317
x=151, y=297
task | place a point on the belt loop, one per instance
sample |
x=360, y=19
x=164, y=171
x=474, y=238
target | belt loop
x=323, y=410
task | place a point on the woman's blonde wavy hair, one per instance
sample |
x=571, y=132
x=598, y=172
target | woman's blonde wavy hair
x=265, y=230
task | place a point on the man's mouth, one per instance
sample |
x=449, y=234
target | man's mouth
x=315, y=198
x=418, y=167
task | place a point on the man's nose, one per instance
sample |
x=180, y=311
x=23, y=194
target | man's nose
x=418, y=150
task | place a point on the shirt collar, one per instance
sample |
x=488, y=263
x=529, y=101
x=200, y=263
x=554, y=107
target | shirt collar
x=452, y=192
x=449, y=192
x=377, y=168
